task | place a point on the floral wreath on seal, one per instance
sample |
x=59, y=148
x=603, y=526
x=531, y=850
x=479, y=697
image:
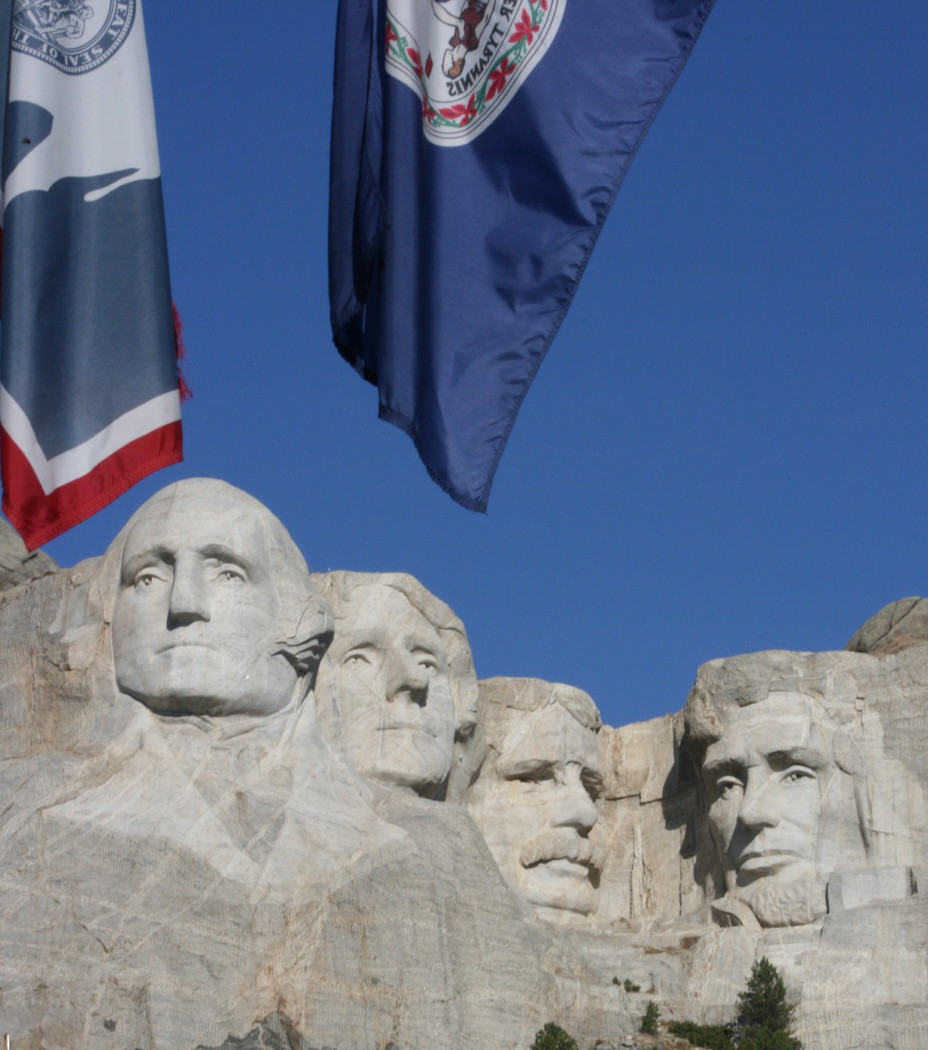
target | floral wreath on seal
x=526, y=25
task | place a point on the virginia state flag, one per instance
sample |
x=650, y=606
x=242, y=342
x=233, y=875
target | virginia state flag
x=89, y=399
x=477, y=146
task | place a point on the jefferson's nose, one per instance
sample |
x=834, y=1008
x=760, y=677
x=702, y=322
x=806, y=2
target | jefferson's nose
x=188, y=602
x=406, y=675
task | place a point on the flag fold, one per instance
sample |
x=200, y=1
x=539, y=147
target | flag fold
x=477, y=146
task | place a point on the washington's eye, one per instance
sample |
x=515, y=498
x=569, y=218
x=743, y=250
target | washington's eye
x=795, y=774
x=355, y=659
x=146, y=577
x=231, y=575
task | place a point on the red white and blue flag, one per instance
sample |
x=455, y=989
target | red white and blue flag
x=89, y=399
x=477, y=146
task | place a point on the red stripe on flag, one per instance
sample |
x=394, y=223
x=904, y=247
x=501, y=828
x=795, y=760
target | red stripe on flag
x=39, y=518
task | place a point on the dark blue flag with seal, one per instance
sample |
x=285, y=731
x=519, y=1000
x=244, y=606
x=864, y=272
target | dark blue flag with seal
x=477, y=146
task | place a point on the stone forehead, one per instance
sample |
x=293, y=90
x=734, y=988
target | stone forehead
x=830, y=682
x=339, y=586
x=212, y=495
x=205, y=493
x=503, y=701
x=377, y=604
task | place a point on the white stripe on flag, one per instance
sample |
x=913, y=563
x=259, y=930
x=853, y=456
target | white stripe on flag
x=75, y=462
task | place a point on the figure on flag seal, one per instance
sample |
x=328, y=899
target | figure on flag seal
x=71, y=35
x=466, y=58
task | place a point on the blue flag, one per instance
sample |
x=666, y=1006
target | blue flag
x=477, y=146
x=89, y=400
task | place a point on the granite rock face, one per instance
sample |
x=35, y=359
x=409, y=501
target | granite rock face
x=244, y=806
x=17, y=565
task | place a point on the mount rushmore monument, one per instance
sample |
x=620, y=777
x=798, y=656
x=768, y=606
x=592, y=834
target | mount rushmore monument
x=245, y=805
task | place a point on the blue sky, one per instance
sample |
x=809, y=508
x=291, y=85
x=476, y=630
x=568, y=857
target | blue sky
x=724, y=450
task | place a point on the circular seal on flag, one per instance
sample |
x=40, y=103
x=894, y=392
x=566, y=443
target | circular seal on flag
x=466, y=59
x=71, y=35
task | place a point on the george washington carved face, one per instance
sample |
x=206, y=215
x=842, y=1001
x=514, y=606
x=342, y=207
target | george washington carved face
x=203, y=622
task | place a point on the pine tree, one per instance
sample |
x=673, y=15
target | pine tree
x=764, y=1016
x=553, y=1037
x=649, y=1021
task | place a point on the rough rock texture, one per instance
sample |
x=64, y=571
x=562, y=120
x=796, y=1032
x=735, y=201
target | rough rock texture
x=17, y=565
x=228, y=881
x=894, y=627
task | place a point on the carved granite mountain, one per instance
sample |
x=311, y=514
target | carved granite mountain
x=192, y=861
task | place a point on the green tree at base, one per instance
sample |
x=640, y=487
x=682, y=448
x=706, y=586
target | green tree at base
x=764, y=1016
x=553, y=1037
x=649, y=1021
x=706, y=1036
x=765, y=1039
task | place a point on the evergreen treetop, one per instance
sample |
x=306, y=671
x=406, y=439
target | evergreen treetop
x=764, y=1016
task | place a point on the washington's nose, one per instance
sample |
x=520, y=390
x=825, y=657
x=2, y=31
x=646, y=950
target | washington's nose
x=188, y=601
x=405, y=675
x=760, y=806
x=574, y=808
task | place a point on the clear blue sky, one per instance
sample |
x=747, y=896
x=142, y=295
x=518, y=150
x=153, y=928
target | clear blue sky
x=725, y=448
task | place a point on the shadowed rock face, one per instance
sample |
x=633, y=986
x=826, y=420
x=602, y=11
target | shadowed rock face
x=534, y=798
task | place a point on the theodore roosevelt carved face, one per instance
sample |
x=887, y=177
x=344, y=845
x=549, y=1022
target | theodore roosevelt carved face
x=215, y=613
x=535, y=796
x=385, y=695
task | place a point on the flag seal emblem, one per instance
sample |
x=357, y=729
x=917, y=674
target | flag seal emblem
x=466, y=59
x=72, y=35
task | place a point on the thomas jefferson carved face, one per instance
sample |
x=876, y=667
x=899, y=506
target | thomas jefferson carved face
x=383, y=694
x=535, y=804
x=196, y=616
x=766, y=779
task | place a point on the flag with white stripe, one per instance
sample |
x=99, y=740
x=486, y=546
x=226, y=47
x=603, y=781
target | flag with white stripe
x=89, y=400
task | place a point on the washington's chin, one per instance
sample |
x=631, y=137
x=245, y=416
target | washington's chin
x=196, y=680
x=561, y=887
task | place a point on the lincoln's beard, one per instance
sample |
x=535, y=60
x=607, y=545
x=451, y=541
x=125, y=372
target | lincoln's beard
x=779, y=901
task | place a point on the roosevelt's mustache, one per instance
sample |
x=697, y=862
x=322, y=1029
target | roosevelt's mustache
x=561, y=844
